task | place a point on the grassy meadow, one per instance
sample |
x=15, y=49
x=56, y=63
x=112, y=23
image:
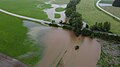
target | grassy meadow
x=59, y=9
x=61, y=1
x=30, y=8
x=114, y=10
x=14, y=41
x=57, y=15
x=91, y=15
x=107, y=1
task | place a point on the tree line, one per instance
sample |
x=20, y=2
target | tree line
x=103, y=27
x=98, y=30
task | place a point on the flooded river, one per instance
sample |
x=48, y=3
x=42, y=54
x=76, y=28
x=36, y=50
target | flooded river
x=59, y=44
x=57, y=40
x=86, y=56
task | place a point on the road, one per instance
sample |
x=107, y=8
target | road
x=97, y=4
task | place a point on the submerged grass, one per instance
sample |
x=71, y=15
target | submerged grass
x=14, y=41
x=91, y=15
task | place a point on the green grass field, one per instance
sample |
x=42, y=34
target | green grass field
x=57, y=15
x=59, y=9
x=61, y=1
x=30, y=8
x=14, y=41
x=114, y=10
x=107, y=1
x=91, y=15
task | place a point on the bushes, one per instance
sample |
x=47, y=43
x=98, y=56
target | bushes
x=69, y=11
x=67, y=27
x=86, y=32
x=103, y=27
x=116, y=3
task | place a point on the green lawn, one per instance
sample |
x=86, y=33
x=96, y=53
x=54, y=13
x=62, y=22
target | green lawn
x=59, y=9
x=14, y=41
x=30, y=8
x=57, y=15
x=114, y=10
x=91, y=15
x=107, y=1
x=61, y=1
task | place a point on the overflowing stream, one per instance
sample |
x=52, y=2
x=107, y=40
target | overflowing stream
x=57, y=41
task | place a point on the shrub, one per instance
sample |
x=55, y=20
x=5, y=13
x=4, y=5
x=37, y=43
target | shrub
x=116, y=3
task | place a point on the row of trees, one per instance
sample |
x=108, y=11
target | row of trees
x=75, y=24
x=75, y=19
x=103, y=27
x=71, y=7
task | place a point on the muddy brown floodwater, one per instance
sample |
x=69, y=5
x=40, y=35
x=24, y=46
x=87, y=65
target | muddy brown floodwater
x=86, y=56
x=59, y=44
x=58, y=40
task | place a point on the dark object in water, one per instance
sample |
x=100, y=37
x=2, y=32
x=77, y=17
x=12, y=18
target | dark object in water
x=61, y=22
x=116, y=3
x=76, y=47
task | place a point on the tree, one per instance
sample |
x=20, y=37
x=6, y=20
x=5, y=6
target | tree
x=116, y=3
x=106, y=26
x=75, y=17
x=94, y=27
x=69, y=11
x=73, y=3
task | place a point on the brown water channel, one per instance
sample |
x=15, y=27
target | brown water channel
x=56, y=41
